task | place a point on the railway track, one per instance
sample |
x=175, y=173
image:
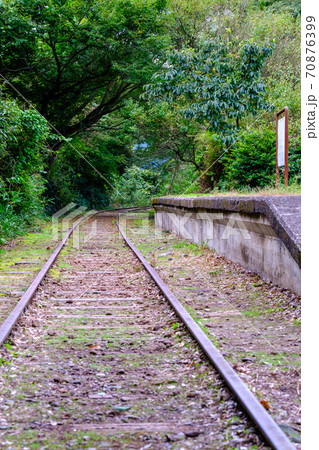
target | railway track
x=102, y=361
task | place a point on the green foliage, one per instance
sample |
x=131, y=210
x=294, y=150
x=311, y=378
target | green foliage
x=165, y=136
x=185, y=180
x=212, y=148
x=78, y=60
x=294, y=160
x=22, y=154
x=188, y=20
x=219, y=83
x=289, y=6
x=135, y=187
x=282, y=70
x=252, y=160
x=83, y=64
x=239, y=23
x=71, y=178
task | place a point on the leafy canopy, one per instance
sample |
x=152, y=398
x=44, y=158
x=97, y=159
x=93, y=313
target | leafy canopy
x=218, y=83
x=76, y=60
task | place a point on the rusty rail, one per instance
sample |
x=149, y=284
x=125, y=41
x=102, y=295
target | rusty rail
x=10, y=322
x=12, y=319
x=262, y=420
x=272, y=433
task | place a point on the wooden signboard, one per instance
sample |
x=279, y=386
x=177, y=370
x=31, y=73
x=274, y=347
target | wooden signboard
x=282, y=143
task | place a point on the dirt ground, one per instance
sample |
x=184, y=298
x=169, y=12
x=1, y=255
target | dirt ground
x=255, y=324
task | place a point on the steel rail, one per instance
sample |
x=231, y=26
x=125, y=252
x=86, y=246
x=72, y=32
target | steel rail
x=269, y=429
x=12, y=319
x=262, y=420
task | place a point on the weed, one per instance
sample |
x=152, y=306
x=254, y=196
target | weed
x=4, y=361
x=215, y=272
x=190, y=247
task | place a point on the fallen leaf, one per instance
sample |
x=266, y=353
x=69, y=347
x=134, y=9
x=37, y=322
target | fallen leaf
x=94, y=347
x=265, y=404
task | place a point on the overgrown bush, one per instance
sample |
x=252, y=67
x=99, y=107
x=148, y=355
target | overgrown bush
x=84, y=169
x=22, y=154
x=135, y=187
x=184, y=181
x=252, y=160
x=294, y=160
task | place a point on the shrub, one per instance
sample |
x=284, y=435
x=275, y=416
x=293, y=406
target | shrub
x=294, y=160
x=252, y=160
x=135, y=187
x=22, y=153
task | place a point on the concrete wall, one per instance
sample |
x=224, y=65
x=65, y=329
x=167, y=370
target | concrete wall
x=245, y=238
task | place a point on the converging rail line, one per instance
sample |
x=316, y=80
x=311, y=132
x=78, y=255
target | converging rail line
x=101, y=360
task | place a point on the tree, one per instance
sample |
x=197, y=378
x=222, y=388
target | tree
x=218, y=84
x=135, y=187
x=76, y=60
x=166, y=135
x=23, y=133
x=107, y=146
x=189, y=19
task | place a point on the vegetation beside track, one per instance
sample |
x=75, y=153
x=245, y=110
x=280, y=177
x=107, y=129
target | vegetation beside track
x=99, y=129
x=20, y=261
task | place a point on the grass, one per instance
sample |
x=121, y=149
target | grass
x=25, y=254
x=185, y=245
x=293, y=189
x=279, y=360
x=13, y=225
x=215, y=272
x=31, y=246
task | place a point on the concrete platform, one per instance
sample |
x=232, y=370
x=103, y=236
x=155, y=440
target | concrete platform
x=263, y=233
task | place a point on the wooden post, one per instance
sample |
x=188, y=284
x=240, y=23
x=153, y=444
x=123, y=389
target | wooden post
x=286, y=146
x=284, y=110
